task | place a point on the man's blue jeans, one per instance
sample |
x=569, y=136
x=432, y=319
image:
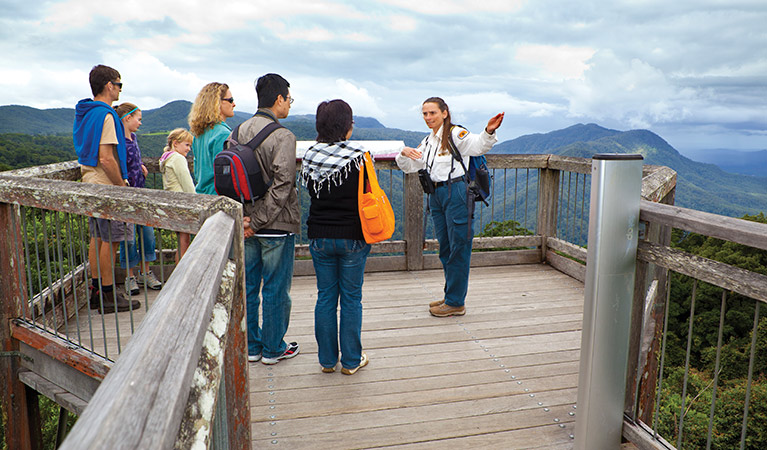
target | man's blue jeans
x=339, y=265
x=451, y=217
x=269, y=259
x=143, y=235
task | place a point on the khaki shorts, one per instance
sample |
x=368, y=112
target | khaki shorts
x=110, y=230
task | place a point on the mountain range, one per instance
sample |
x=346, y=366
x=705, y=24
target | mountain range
x=700, y=185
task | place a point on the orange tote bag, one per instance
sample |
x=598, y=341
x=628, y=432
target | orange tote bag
x=376, y=213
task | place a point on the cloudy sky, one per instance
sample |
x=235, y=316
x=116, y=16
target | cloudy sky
x=693, y=71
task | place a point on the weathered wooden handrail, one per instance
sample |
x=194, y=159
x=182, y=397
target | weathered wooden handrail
x=141, y=401
x=171, y=210
x=752, y=234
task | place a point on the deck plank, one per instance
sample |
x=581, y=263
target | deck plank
x=495, y=378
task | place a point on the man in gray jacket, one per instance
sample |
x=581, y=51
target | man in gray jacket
x=270, y=226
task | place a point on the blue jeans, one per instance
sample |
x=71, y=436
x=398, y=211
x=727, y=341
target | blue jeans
x=340, y=266
x=142, y=233
x=451, y=217
x=269, y=259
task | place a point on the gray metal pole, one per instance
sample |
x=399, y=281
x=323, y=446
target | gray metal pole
x=616, y=183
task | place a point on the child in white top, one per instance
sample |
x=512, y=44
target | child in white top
x=175, y=173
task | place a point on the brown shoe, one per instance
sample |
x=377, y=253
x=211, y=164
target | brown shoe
x=445, y=310
x=436, y=303
x=109, y=304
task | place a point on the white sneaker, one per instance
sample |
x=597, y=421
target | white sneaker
x=151, y=280
x=131, y=286
x=290, y=352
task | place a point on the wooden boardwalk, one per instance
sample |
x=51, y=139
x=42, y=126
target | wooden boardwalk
x=502, y=376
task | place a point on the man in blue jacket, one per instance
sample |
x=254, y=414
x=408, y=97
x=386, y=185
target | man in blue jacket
x=99, y=141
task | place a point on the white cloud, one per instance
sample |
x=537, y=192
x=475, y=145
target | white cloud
x=492, y=102
x=402, y=23
x=149, y=83
x=631, y=91
x=445, y=7
x=564, y=61
x=310, y=91
x=313, y=34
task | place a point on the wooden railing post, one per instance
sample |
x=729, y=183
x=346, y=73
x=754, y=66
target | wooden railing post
x=548, y=188
x=19, y=409
x=647, y=326
x=236, y=356
x=413, y=197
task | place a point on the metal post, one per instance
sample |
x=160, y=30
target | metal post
x=616, y=184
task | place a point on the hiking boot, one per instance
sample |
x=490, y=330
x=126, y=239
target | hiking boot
x=94, y=298
x=290, y=352
x=436, y=303
x=131, y=286
x=109, y=304
x=149, y=280
x=363, y=363
x=445, y=310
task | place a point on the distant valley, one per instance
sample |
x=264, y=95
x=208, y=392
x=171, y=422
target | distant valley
x=733, y=161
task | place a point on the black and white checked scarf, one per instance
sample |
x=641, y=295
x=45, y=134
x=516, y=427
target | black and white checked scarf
x=329, y=163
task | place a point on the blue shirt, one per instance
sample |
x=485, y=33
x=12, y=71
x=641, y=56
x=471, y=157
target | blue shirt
x=205, y=148
x=135, y=174
x=86, y=134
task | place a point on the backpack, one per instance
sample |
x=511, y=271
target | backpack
x=236, y=171
x=477, y=172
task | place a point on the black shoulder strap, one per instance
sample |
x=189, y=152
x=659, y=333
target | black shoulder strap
x=454, y=150
x=263, y=134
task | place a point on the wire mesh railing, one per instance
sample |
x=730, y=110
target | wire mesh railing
x=701, y=381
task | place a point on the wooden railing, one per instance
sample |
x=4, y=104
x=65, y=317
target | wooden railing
x=34, y=356
x=149, y=393
x=656, y=258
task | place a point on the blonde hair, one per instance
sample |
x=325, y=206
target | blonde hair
x=206, y=110
x=178, y=135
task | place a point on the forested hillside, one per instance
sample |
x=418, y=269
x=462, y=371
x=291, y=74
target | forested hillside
x=23, y=150
x=26, y=120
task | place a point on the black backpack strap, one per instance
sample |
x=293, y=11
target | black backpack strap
x=262, y=135
x=231, y=141
x=455, y=153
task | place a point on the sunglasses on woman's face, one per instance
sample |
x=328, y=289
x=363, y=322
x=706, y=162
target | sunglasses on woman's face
x=230, y=100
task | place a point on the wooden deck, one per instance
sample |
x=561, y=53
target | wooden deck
x=502, y=376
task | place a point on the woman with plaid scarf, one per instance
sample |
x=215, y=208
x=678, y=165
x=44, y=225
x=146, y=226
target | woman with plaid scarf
x=330, y=172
